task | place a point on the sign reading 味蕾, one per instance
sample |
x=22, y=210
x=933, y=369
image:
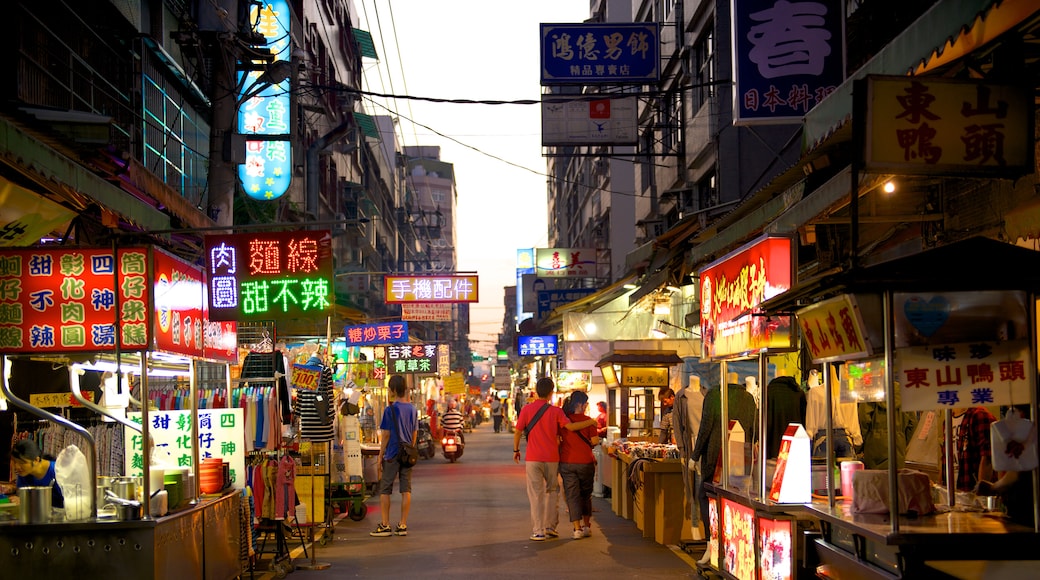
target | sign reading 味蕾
x=270, y=275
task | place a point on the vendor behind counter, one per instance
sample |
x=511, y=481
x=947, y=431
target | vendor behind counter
x=33, y=469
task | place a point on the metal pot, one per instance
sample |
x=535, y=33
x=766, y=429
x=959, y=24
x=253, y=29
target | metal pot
x=34, y=504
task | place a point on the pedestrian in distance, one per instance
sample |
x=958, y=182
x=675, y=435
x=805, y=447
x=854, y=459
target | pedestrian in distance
x=578, y=465
x=496, y=413
x=543, y=423
x=400, y=423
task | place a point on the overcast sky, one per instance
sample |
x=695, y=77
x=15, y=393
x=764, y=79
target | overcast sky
x=478, y=50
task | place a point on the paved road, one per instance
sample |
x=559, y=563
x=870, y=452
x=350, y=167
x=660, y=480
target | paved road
x=471, y=518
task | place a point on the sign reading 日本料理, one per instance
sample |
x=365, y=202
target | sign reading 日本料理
x=607, y=53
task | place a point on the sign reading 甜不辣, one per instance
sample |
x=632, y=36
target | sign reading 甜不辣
x=927, y=125
x=379, y=333
x=64, y=300
x=221, y=434
x=270, y=275
x=411, y=358
x=446, y=288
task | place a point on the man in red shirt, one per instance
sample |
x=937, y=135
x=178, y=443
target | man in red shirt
x=542, y=460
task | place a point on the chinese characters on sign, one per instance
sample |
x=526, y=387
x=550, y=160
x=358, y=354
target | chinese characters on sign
x=565, y=262
x=270, y=275
x=639, y=377
x=60, y=300
x=412, y=358
x=221, y=434
x=418, y=311
x=536, y=345
x=265, y=109
x=549, y=300
x=932, y=125
x=381, y=333
x=963, y=375
x=731, y=288
x=738, y=540
x=614, y=53
x=448, y=288
x=179, y=296
x=788, y=56
x=833, y=330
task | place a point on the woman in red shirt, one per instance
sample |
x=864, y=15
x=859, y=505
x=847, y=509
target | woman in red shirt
x=578, y=465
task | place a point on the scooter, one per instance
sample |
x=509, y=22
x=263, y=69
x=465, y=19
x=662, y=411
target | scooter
x=424, y=440
x=452, y=445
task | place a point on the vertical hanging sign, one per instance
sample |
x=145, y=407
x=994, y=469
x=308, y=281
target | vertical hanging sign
x=264, y=109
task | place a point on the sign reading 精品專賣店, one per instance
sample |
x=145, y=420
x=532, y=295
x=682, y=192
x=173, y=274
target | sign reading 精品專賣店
x=613, y=53
x=269, y=275
x=265, y=109
x=787, y=57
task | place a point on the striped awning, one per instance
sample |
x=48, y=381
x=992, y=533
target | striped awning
x=366, y=47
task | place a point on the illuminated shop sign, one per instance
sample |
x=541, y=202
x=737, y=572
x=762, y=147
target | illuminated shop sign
x=412, y=358
x=833, y=330
x=381, y=333
x=448, y=288
x=565, y=262
x=600, y=53
x=776, y=547
x=270, y=275
x=536, y=345
x=179, y=305
x=733, y=287
x=918, y=125
x=265, y=109
x=221, y=434
x=420, y=311
x=956, y=376
x=67, y=300
x=220, y=341
x=738, y=540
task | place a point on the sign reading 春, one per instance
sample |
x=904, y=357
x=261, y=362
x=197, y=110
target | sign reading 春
x=265, y=108
x=600, y=53
x=270, y=275
x=412, y=358
x=447, y=288
x=379, y=333
x=221, y=434
x=65, y=300
x=787, y=57
x=944, y=126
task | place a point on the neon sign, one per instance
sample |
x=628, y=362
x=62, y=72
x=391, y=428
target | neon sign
x=450, y=288
x=268, y=168
x=370, y=334
x=270, y=275
x=412, y=358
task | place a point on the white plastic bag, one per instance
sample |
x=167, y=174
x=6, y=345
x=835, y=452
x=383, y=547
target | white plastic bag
x=1013, y=443
x=70, y=470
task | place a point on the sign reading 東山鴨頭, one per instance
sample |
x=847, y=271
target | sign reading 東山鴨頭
x=64, y=300
x=928, y=125
x=955, y=376
x=731, y=289
x=613, y=53
x=787, y=57
x=565, y=262
x=378, y=333
x=833, y=330
x=446, y=288
x=270, y=275
x=221, y=434
x=265, y=109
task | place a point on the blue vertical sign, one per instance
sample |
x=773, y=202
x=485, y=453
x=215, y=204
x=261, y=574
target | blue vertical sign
x=615, y=54
x=268, y=168
x=787, y=56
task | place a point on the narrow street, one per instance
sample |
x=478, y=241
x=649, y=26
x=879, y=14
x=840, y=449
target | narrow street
x=471, y=519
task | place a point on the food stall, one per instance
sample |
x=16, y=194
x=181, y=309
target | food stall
x=113, y=314
x=754, y=516
x=646, y=477
x=945, y=340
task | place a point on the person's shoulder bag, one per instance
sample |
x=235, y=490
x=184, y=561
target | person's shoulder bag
x=537, y=415
x=409, y=454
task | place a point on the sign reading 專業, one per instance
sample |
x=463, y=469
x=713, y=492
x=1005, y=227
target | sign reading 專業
x=447, y=288
x=613, y=53
x=221, y=434
x=64, y=300
x=927, y=125
x=731, y=288
x=787, y=57
x=269, y=275
x=379, y=333
x=960, y=375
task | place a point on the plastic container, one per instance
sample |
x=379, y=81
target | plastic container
x=848, y=471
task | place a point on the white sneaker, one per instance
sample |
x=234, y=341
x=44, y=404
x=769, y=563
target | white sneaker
x=577, y=535
x=586, y=531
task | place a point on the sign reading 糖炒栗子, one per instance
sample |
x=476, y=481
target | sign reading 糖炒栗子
x=613, y=53
x=379, y=333
x=270, y=275
x=448, y=288
x=926, y=125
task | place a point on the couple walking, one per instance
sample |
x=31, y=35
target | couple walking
x=559, y=443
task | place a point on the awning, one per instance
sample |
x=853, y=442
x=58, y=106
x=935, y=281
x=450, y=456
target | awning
x=987, y=26
x=26, y=216
x=587, y=303
x=641, y=357
x=366, y=47
x=367, y=124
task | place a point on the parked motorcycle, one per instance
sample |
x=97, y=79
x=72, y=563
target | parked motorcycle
x=452, y=444
x=424, y=440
